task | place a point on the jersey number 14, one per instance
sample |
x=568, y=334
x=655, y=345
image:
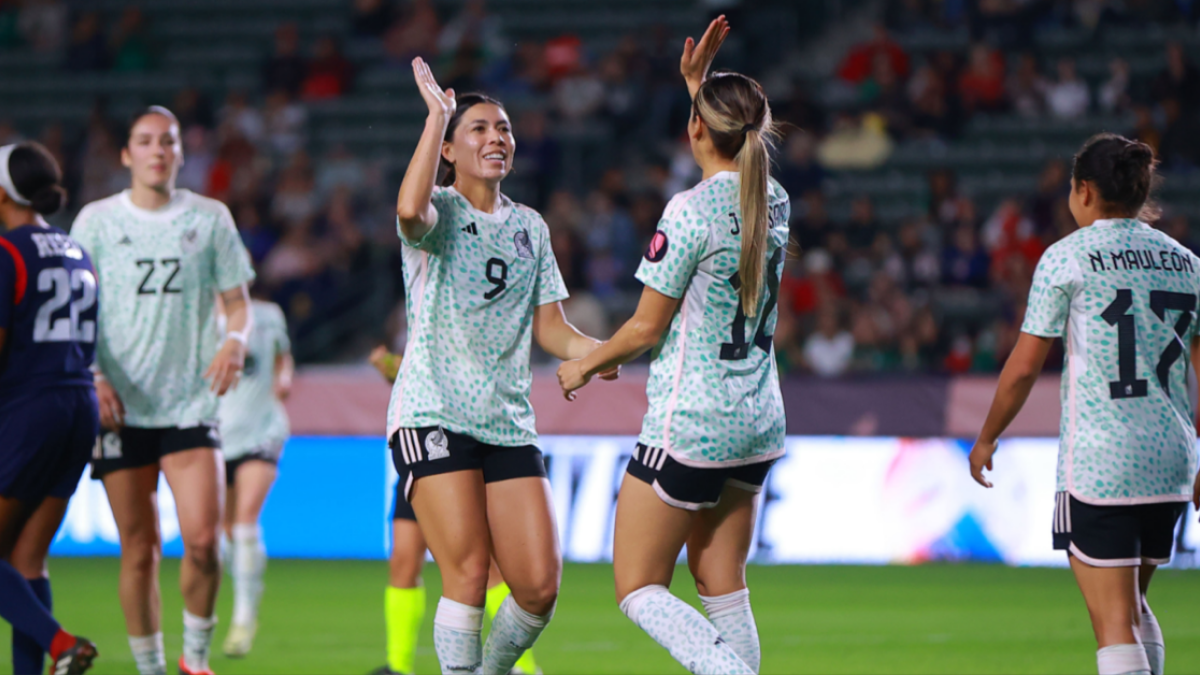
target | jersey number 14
x=1116, y=314
x=738, y=348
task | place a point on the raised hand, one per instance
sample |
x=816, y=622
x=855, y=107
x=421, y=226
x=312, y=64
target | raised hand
x=441, y=103
x=698, y=57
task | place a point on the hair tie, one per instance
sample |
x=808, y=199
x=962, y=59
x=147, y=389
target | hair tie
x=6, y=181
x=747, y=128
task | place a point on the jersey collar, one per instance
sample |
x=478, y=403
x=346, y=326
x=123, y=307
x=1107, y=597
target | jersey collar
x=165, y=213
x=1118, y=222
x=501, y=215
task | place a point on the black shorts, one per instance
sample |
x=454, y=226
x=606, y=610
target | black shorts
x=693, y=488
x=401, y=509
x=429, y=451
x=267, y=452
x=135, y=447
x=1116, y=536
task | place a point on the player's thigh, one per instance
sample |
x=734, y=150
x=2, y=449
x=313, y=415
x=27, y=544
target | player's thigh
x=14, y=513
x=253, y=482
x=197, y=480
x=1113, y=600
x=132, y=495
x=720, y=542
x=408, y=554
x=33, y=546
x=647, y=538
x=452, y=510
x=525, y=537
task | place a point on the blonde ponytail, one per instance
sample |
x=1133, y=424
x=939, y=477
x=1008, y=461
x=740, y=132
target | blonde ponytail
x=738, y=117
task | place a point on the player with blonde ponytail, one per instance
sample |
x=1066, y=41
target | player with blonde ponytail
x=715, y=423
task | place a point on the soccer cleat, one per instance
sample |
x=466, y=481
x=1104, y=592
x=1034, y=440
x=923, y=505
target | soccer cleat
x=239, y=640
x=184, y=670
x=384, y=670
x=75, y=660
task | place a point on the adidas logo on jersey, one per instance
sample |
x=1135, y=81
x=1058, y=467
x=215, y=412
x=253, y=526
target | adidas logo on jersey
x=470, y=229
x=125, y=240
x=437, y=446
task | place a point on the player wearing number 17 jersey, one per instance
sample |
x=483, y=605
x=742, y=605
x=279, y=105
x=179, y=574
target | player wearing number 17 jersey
x=716, y=421
x=48, y=411
x=1123, y=297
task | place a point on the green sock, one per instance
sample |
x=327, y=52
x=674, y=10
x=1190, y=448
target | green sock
x=404, y=609
x=495, y=596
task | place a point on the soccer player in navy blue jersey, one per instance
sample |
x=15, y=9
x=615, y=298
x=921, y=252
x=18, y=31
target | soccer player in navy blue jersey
x=49, y=417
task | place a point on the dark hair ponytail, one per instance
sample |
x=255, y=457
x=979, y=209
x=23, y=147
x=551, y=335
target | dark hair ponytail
x=465, y=102
x=37, y=177
x=1122, y=171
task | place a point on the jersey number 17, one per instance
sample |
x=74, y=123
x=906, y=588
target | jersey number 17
x=1116, y=314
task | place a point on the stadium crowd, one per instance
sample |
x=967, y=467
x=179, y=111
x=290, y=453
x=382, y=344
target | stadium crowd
x=861, y=294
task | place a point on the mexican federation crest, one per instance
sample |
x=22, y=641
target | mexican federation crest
x=436, y=444
x=189, y=241
x=524, y=247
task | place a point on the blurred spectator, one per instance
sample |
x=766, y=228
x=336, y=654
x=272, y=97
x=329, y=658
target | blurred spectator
x=1180, y=149
x=44, y=24
x=1180, y=80
x=828, y=351
x=862, y=226
x=1054, y=184
x=855, y=143
x=943, y=196
x=370, y=18
x=130, y=44
x=964, y=262
x=473, y=25
x=344, y=245
x=10, y=34
x=858, y=63
x=238, y=117
x=53, y=138
x=8, y=133
x=1009, y=234
x=981, y=84
x=233, y=171
x=810, y=221
x=466, y=66
x=192, y=108
x=102, y=173
x=328, y=74
x=258, y=239
x=799, y=171
x=958, y=360
x=294, y=202
x=1144, y=128
x=884, y=94
x=1027, y=88
x=285, y=69
x=339, y=169
x=937, y=114
x=1178, y=229
x=1114, y=93
x=812, y=285
x=622, y=96
x=295, y=256
x=537, y=154
x=1068, y=97
x=414, y=34
x=563, y=56
x=915, y=265
x=578, y=95
x=198, y=160
x=88, y=49
x=284, y=121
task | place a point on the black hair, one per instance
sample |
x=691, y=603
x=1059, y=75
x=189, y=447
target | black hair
x=1122, y=171
x=465, y=102
x=37, y=177
x=151, y=110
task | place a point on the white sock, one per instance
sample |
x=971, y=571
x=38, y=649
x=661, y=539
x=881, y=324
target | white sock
x=684, y=632
x=456, y=629
x=197, y=639
x=1152, y=642
x=148, y=654
x=513, y=631
x=732, y=616
x=249, y=564
x=1122, y=660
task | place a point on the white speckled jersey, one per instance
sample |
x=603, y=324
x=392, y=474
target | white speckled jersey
x=714, y=386
x=159, y=274
x=472, y=284
x=251, y=415
x=1123, y=295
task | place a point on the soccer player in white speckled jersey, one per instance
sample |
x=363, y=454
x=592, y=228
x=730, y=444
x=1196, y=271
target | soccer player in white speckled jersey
x=1123, y=298
x=481, y=283
x=715, y=423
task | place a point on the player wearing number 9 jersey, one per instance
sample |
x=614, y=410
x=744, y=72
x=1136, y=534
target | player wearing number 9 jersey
x=162, y=256
x=1123, y=297
x=715, y=422
x=48, y=410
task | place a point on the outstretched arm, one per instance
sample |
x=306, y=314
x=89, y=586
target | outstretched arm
x=557, y=336
x=639, y=334
x=1016, y=380
x=698, y=57
x=413, y=208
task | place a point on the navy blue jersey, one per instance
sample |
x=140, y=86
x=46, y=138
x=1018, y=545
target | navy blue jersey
x=47, y=310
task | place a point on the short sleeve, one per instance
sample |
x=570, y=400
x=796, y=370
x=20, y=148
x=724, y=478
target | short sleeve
x=442, y=201
x=675, y=250
x=83, y=231
x=8, y=287
x=550, y=284
x=1054, y=282
x=232, y=265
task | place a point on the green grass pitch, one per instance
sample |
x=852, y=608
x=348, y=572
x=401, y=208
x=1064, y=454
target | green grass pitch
x=327, y=617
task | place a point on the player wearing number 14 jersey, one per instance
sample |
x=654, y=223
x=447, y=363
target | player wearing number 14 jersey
x=1123, y=297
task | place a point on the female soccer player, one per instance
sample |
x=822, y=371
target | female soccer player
x=162, y=255
x=1123, y=297
x=404, y=600
x=481, y=282
x=715, y=423
x=254, y=427
x=48, y=411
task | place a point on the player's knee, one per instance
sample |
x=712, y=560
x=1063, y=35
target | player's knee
x=468, y=577
x=140, y=555
x=713, y=582
x=203, y=549
x=539, y=597
x=404, y=569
